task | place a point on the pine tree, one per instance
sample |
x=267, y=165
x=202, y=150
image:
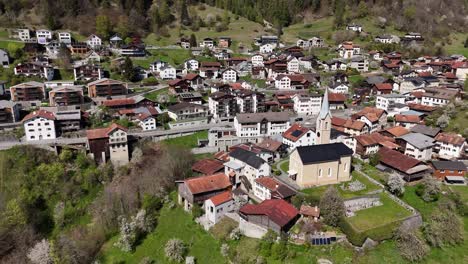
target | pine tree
x=466, y=43
x=184, y=16
x=193, y=40
x=128, y=71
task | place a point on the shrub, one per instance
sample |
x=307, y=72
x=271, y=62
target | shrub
x=410, y=246
x=429, y=191
x=225, y=250
x=40, y=253
x=396, y=185
x=443, y=228
x=197, y=211
x=175, y=250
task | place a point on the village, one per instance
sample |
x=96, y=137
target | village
x=281, y=134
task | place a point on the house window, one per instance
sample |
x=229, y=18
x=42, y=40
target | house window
x=211, y=209
x=320, y=172
x=329, y=172
x=345, y=166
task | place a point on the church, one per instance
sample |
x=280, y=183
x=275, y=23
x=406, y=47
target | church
x=324, y=163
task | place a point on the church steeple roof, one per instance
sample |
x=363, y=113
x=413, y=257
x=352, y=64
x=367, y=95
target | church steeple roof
x=325, y=110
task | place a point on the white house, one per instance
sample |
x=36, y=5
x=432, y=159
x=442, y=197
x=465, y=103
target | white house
x=291, y=82
x=246, y=163
x=43, y=36
x=341, y=88
x=348, y=50
x=64, y=37
x=94, y=41
x=22, y=34
x=39, y=125
x=4, y=59
x=261, y=124
x=387, y=101
x=266, y=188
x=167, y=72
x=305, y=104
x=267, y=48
x=218, y=205
x=146, y=121
x=191, y=65
x=354, y=27
x=418, y=146
x=257, y=60
x=360, y=63
x=313, y=42
x=293, y=65
x=450, y=145
x=438, y=96
x=407, y=85
x=229, y=75
x=298, y=135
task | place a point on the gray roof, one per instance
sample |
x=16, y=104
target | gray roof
x=323, y=152
x=418, y=140
x=391, y=96
x=426, y=130
x=376, y=79
x=247, y=157
x=68, y=115
x=448, y=165
x=258, y=117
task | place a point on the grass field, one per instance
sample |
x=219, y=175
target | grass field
x=190, y=141
x=5, y=44
x=461, y=190
x=372, y=217
x=174, y=57
x=411, y=198
x=241, y=30
x=457, y=44
x=173, y=223
x=374, y=173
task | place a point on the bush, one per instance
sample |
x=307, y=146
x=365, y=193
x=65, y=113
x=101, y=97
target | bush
x=443, y=228
x=396, y=185
x=332, y=207
x=429, y=190
x=175, y=250
x=197, y=211
x=410, y=246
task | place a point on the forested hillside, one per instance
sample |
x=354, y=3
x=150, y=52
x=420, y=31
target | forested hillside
x=432, y=17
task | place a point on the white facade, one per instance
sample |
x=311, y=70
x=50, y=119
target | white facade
x=118, y=147
x=23, y=34
x=39, y=128
x=43, y=36
x=307, y=105
x=384, y=101
x=450, y=151
x=4, y=59
x=361, y=65
x=293, y=65
x=257, y=60
x=214, y=213
x=267, y=48
x=253, y=130
x=461, y=73
x=167, y=72
x=229, y=76
x=419, y=154
x=341, y=88
x=192, y=65
x=433, y=101
x=243, y=169
x=148, y=123
x=283, y=83
x=308, y=139
x=64, y=37
x=94, y=41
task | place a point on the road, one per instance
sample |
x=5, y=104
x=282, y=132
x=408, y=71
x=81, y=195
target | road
x=139, y=134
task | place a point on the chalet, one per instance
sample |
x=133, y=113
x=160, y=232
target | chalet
x=64, y=37
x=373, y=117
x=314, y=42
x=417, y=145
x=88, y=72
x=382, y=88
x=197, y=190
x=307, y=104
x=348, y=50
x=460, y=69
x=188, y=114
x=291, y=82
x=108, y=143
x=394, y=132
x=309, y=212
x=266, y=188
x=337, y=87
x=133, y=49
x=407, y=121
x=178, y=86
x=28, y=91
x=409, y=168
x=267, y=48
x=297, y=136
x=218, y=205
x=37, y=69
x=245, y=166
x=320, y=164
x=22, y=34
x=450, y=145
x=210, y=70
x=78, y=48
x=231, y=62
x=107, y=88
x=257, y=60
x=9, y=112
x=39, y=125
x=277, y=215
x=337, y=101
x=335, y=65
x=349, y=126
x=369, y=144
x=207, y=43
x=94, y=41
x=386, y=39
x=450, y=171
x=66, y=95
x=146, y=121
x=224, y=42
x=263, y=40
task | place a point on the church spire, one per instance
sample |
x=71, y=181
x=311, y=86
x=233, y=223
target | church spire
x=325, y=106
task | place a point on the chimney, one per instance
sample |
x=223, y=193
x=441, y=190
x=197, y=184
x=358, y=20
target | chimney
x=276, y=186
x=316, y=208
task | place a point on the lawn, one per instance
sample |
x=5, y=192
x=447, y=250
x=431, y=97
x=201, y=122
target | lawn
x=321, y=27
x=173, y=223
x=370, y=187
x=411, y=198
x=377, y=216
x=5, y=44
x=285, y=166
x=240, y=30
x=153, y=96
x=457, y=44
x=190, y=141
x=174, y=57
x=374, y=173
x=461, y=190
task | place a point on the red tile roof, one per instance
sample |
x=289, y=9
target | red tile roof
x=119, y=102
x=372, y=113
x=383, y=86
x=222, y=156
x=210, y=64
x=221, y=198
x=103, y=132
x=397, y=160
x=288, y=134
x=336, y=97
x=407, y=118
x=208, y=166
x=338, y=121
x=268, y=182
x=354, y=124
x=397, y=131
x=270, y=144
x=417, y=94
x=450, y=138
x=277, y=210
x=309, y=211
x=420, y=107
x=197, y=185
x=373, y=139
x=39, y=113
x=191, y=76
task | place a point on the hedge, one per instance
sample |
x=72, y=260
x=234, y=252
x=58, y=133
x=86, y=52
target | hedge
x=378, y=233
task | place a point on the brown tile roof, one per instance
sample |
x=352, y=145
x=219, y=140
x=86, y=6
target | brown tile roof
x=269, y=144
x=309, y=211
x=397, y=160
x=278, y=190
x=450, y=138
x=143, y=116
x=277, y=210
x=222, y=156
x=407, y=118
x=417, y=94
x=103, y=132
x=420, y=107
x=210, y=64
x=221, y=198
x=295, y=132
x=338, y=121
x=372, y=113
x=354, y=124
x=336, y=97
x=208, y=166
x=397, y=131
x=191, y=76
x=203, y=184
x=373, y=139
x=39, y=113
